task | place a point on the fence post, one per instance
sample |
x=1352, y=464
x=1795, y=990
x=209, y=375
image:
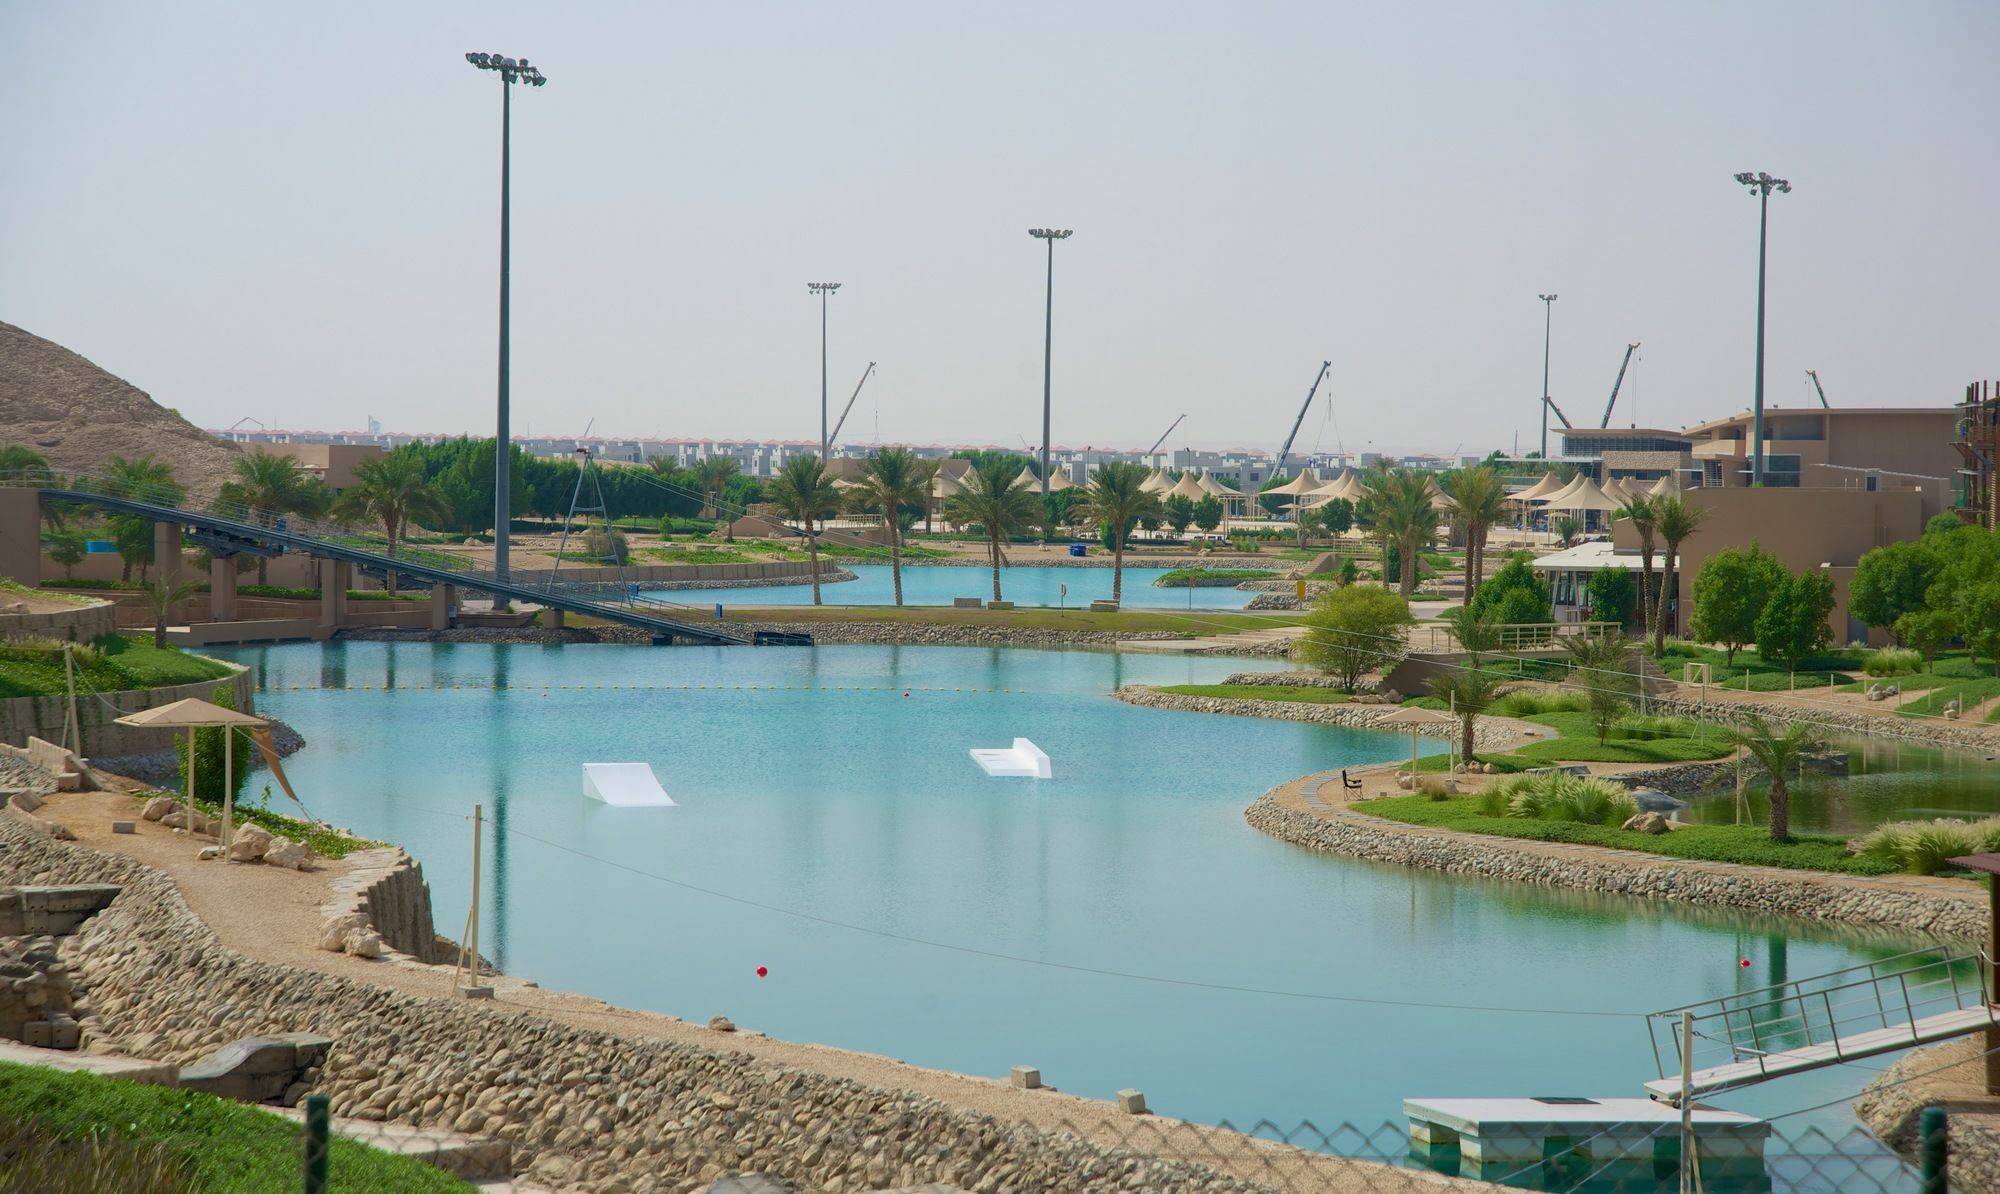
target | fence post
x=1931, y=1167
x=316, y=1144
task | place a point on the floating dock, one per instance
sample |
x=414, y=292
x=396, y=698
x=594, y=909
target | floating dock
x=1564, y=1143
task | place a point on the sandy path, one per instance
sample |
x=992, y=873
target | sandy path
x=272, y=915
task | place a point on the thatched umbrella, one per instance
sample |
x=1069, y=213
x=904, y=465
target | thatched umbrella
x=1415, y=717
x=192, y=714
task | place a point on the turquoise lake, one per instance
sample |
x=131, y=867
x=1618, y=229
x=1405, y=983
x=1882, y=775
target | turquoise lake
x=937, y=586
x=1117, y=926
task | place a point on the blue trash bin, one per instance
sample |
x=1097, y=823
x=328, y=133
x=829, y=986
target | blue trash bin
x=1078, y=549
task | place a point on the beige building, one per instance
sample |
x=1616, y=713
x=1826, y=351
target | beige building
x=331, y=463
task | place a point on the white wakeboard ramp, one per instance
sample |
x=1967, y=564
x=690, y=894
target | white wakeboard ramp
x=1023, y=758
x=624, y=785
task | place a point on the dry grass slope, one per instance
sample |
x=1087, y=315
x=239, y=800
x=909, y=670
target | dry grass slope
x=78, y=415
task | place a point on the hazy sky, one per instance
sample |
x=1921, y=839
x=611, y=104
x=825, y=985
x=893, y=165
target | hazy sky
x=250, y=211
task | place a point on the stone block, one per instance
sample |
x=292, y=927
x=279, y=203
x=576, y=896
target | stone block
x=39, y=1034
x=27, y=801
x=1025, y=1077
x=258, y=1069
x=1132, y=1102
x=124, y=827
x=65, y=1034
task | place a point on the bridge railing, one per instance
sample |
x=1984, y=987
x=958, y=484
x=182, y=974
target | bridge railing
x=1831, y=1010
x=287, y=529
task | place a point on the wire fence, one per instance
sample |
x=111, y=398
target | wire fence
x=751, y=1152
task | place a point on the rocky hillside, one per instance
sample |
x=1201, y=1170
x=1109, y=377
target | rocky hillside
x=77, y=415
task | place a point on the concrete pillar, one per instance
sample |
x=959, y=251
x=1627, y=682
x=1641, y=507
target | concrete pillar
x=332, y=592
x=442, y=597
x=552, y=618
x=167, y=552
x=21, y=536
x=222, y=589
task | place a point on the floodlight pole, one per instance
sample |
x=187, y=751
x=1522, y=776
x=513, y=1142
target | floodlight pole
x=1051, y=236
x=511, y=71
x=1761, y=185
x=823, y=290
x=1548, y=319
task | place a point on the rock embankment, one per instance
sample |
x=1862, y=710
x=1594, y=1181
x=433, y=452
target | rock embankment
x=829, y=574
x=1952, y=1075
x=160, y=768
x=1886, y=903
x=912, y=634
x=583, y=1109
x=1487, y=734
x=1729, y=711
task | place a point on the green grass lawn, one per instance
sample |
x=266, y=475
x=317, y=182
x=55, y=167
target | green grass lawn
x=80, y=1132
x=1262, y=692
x=1752, y=674
x=1213, y=576
x=116, y=663
x=1715, y=843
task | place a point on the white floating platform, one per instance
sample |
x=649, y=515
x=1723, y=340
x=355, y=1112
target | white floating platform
x=1023, y=758
x=1486, y=1138
x=625, y=785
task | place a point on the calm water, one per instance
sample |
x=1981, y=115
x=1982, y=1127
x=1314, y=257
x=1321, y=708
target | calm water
x=1888, y=781
x=937, y=586
x=811, y=787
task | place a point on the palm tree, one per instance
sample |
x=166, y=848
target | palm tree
x=271, y=486
x=1406, y=517
x=1778, y=753
x=1470, y=693
x=715, y=473
x=1644, y=521
x=162, y=596
x=1675, y=520
x=22, y=465
x=890, y=480
x=1568, y=529
x=1478, y=501
x=1117, y=495
x=804, y=493
x=1478, y=636
x=994, y=498
x=146, y=479
x=1602, y=666
x=391, y=490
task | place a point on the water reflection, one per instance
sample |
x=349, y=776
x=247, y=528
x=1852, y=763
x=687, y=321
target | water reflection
x=1888, y=780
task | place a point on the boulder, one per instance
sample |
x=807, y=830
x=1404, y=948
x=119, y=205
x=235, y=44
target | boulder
x=250, y=843
x=285, y=852
x=364, y=943
x=333, y=935
x=1652, y=823
x=721, y=1024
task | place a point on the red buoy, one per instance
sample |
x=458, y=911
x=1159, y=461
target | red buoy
x=1743, y=962
x=764, y=970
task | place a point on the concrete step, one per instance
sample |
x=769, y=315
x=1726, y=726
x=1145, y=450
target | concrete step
x=470, y=1158
x=107, y=1065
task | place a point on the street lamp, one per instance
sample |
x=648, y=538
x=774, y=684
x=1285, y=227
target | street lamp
x=1548, y=317
x=1761, y=185
x=1051, y=235
x=511, y=71
x=823, y=290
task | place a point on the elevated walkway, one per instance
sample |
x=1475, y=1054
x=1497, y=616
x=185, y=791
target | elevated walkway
x=223, y=525
x=1917, y=998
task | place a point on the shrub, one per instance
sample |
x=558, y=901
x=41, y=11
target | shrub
x=1559, y=796
x=208, y=747
x=1893, y=661
x=598, y=545
x=1922, y=847
x=1534, y=704
x=1651, y=729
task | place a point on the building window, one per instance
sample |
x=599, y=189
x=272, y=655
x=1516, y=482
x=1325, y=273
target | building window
x=1781, y=472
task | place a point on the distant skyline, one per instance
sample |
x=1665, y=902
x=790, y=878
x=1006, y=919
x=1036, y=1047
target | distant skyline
x=292, y=215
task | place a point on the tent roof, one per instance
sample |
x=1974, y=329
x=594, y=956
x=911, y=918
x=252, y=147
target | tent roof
x=1211, y=485
x=1305, y=482
x=190, y=711
x=1544, y=486
x=1585, y=495
x=1554, y=500
x=1156, y=482
x=1187, y=488
x=1668, y=484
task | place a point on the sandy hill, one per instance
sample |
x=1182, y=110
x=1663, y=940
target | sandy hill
x=77, y=415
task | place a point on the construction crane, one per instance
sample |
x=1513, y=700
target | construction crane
x=1163, y=436
x=1818, y=389
x=1559, y=412
x=850, y=402
x=1622, y=366
x=1278, y=469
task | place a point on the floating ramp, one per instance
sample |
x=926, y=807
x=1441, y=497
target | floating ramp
x=624, y=785
x=1917, y=998
x=1023, y=758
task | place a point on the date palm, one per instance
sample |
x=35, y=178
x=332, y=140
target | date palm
x=1675, y=521
x=1406, y=517
x=147, y=479
x=271, y=486
x=393, y=491
x=1470, y=692
x=715, y=473
x=890, y=480
x=1639, y=511
x=1478, y=501
x=1778, y=753
x=1117, y=495
x=994, y=499
x=162, y=595
x=804, y=493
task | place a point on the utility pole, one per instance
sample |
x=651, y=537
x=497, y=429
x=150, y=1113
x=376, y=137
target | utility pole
x=824, y=290
x=1050, y=235
x=1548, y=319
x=468, y=951
x=1761, y=185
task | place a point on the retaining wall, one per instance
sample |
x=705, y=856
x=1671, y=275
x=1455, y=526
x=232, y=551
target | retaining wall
x=79, y=624
x=387, y=887
x=43, y=717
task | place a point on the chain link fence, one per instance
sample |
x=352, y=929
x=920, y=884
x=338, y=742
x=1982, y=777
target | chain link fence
x=1123, y=1153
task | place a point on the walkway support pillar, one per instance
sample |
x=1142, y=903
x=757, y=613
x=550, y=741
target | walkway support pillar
x=222, y=589
x=552, y=618
x=441, y=602
x=21, y=536
x=167, y=552
x=332, y=592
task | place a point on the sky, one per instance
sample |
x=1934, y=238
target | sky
x=291, y=214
